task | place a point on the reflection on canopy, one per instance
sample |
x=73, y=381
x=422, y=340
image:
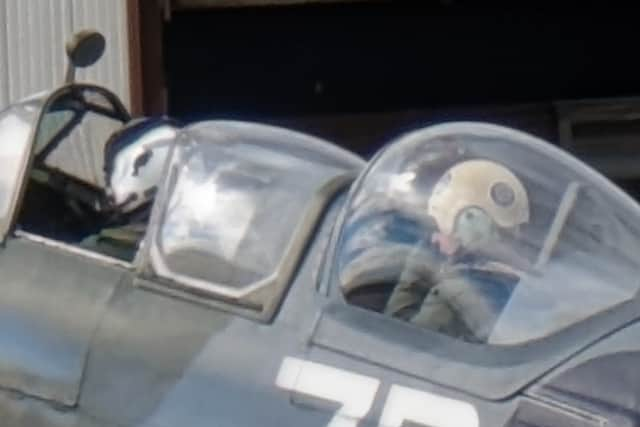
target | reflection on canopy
x=577, y=242
x=239, y=203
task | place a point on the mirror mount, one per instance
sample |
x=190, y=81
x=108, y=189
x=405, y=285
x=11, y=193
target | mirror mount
x=83, y=50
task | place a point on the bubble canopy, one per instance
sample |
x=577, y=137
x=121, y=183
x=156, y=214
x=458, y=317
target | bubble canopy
x=508, y=230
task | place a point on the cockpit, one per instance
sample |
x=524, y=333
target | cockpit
x=486, y=234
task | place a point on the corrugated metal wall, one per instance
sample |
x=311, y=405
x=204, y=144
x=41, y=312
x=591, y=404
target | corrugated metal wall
x=32, y=38
x=32, y=58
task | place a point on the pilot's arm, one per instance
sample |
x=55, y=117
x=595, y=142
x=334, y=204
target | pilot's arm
x=431, y=302
x=414, y=284
x=436, y=312
x=466, y=303
x=425, y=295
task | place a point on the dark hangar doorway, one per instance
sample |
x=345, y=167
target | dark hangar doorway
x=361, y=72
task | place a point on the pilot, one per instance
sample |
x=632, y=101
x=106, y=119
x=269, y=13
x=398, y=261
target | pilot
x=133, y=171
x=477, y=208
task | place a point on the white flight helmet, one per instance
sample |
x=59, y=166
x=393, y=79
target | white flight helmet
x=134, y=161
x=474, y=198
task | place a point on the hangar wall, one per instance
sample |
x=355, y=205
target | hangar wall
x=33, y=34
x=32, y=38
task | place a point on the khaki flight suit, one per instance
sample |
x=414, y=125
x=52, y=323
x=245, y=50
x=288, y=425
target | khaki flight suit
x=460, y=300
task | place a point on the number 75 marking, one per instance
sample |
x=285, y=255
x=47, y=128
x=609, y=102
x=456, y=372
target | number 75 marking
x=356, y=393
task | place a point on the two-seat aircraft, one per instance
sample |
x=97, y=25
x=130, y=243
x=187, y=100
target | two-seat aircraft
x=237, y=274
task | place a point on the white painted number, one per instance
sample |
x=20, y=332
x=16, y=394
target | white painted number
x=407, y=404
x=356, y=393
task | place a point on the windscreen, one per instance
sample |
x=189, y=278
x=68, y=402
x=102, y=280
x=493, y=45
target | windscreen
x=16, y=124
x=486, y=234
